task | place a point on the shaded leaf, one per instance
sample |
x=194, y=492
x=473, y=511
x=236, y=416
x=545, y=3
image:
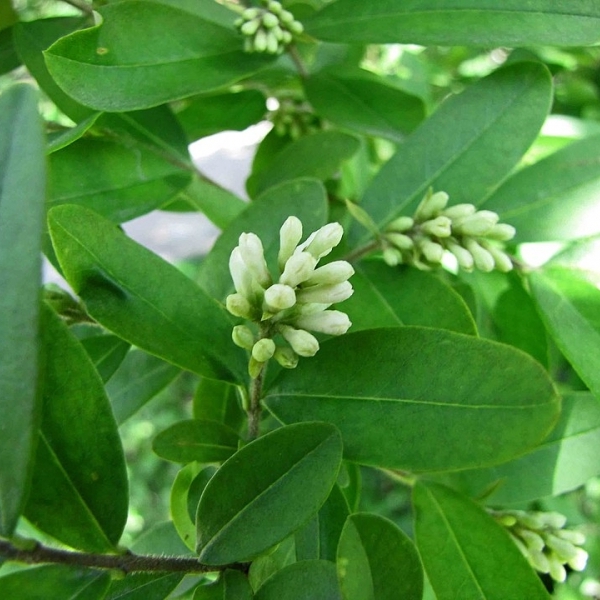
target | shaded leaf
x=232, y=585
x=218, y=401
x=106, y=352
x=143, y=586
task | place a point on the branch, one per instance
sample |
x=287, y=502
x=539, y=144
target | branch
x=295, y=56
x=127, y=563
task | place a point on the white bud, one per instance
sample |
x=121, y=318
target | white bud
x=401, y=241
x=250, y=27
x=539, y=561
x=275, y=7
x=501, y=232
x=557, y=571
x=438, y=227
x=243, y=337
x=252, y=253
x=564, y=550
x=263, y=350
x=298, y=268
x=325, y=294
x=532, y=539
x=392, y=257
x=241, y=275
x=279, y=297
x=483, y=259
x=401, y=224
x=464, y=258
x=269, y=20
x=286, y=357
x=530, y=520
x=431, y=205
x=286, y=17
x=272, y=43
x=459, y=210
x=296, y=27
x=302, y=342
x=478, y=224
x=579, y=561
x=260, y=40
x=433, y=252
x=321, y=242
x=552, y=519
x=334, y=272
x=286, y=37
x=290, y=235
x=310, y=308
x=277, y=33
x=251, y=13
x=575, y=537
x=332, y=322
x=501, y=259
x=239, y=306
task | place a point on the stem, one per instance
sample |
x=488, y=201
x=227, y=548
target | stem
x=254, y=410
x=127, y=563
x=362, y=251
x=401, y=477
x=295, y=56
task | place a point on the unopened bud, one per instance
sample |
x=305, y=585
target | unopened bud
x=243, y=337
x=286, y=37
x=478, y=224
x=286, y=357
x=272, y=43
x=263, y=350
x=556, y=570
x=531, y=539
x=575, y=537
x=464, y=259
x=260, y=40
x=290, y=235
x=484, y=261
x=400, y=224
x=552, y=519
x=438, y=227
x=239, y=306
x=269, y=20
x=250, y=27
x=332, y=322
x=539, y=561
x=298, y=268
x=296, y=27
x=255, y=367
x=302, y=342
x=241, y=275
x=252, y=253
x=251, y=13
x=401, y=241
x=459, y=210
x=579, y=561
x=325, y=294
x=334, y=272
x=431, y=205
x=286, y=17
x=392, y=257
x=279, y=297
x=501, y=232
x=501, y=259
x=563, y=549
x=433, y=252
x=321, y=242
x=275, y=7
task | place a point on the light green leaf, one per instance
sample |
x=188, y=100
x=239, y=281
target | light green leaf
x=458, y=22
x=421, y=399
x=22, y=172
x=555, y=198
x=385, y=296
x=466, y=554
x=361, y=101
x=218, y=401
x=62, y=139
x=106, y=352
x=303, y=198
x=136, y=294
x=377, y=561
x=161, y=539
x=54, y=582
x=268, y=564
x=318, y=155
x=467, y=147
x=305, y=580
x=79, y=491
x=143, y=586
x=288, y=472
x=169, y=54
x=178, y=503
x=232, y=585
x=569, y=303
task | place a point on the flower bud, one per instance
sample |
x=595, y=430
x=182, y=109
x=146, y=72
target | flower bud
x=286, y=37
x=302, y=342
x=243, y=337
x=400, y=224
x=263, y=350
x=433, y=252
x=332, y=322
x=255, y=367
x=464, y=257
x=321, y=242
x=478, y=224
x=575, y=537
x=286, y=357
x=557, y=571
x=272, y=43
x=250, y=13
x=501, y=259
x=483, y=259
x=250, y=27
x=392, y=257
x=310, y=308
x=501, y=232
x=286, y=17
x=438, y=227
x=241, y=275
x=279, y=297
x=334, y=272
x=431, y=205
x=552, y=519
x=260, y=40
x=531, y=539
x=298, y=268
x=252, y=253
x=269, y=20
x=459, y=210
x=579, y=561
x=290, y=235
x=325, y=294
x=538, y=560
x=296, y=27
x=239, y=306
x=563, y=549
x=401, y=241
x=275, y=7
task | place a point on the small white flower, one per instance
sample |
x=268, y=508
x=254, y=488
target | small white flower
x=326, y=294
x=334, y=272
x=241, y=275
x=290, y=235
x=279, y=297
x=323, y=241
x=252, y=253
x=302, y=342
x=331, y=322
x=298, y=268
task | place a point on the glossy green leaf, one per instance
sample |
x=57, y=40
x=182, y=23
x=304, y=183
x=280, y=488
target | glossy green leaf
x=318, y=155
x=564, y=461
x=466, y=554
x=360, y=101
x=55, y=582
x=61, y=139
x=555, y=198
x=218, y=401
x=467, y=147
x=139, y=378
x=458, y=22
x=421, y=399
x=9, y=59
x=288, y=472
x=179, y=504
x=305, y=580
x=268, y=564
x=196, y=440
x=385, y=296
x=106, y=352
x=161, y=539
x=304, y=198
x=79, y=490
x=232, y=585
x=143, y=586
x=136, y=294
x=22, y=167
x=169, y=54
x=377, y=561
x=569, y=304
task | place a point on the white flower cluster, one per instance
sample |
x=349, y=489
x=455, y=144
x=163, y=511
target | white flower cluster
x=296, y=303
x=268, y=29
x=471, y=235
x=542, y=539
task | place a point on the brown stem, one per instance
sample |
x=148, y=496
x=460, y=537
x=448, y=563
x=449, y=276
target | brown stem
x=295, y=56
x=254, y=409
x=362, y=251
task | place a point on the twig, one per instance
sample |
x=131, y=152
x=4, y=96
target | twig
x=295, y=56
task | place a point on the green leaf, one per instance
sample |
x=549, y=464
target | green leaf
x=161, y=539
x=55, y=582
x=385, y=296
x=62, y=139
x=232, y=585
x=218, y=401
x=288, y=473
x=566, y=460
x=376, y=560
x=467, y=147
x=143, y=586
x=421, y=399
x=106, y=352
x=466, y=554
x=303, y=198
x=8, y=16
x=268, y=564
x=195, y=440
x=22, y=167
x=569, y=303
x=143, y=299
x=168, y=55
x=555, y=198
x=305, y=580
x=139, y=378
x=79, y=490
x=9, y=58
x=360, y=101
x=318, y=155
x=458, y=23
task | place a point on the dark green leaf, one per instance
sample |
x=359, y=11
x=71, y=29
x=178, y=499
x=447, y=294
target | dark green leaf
x=161, y=539
x=106, y=352
x=421, y=399
x=288, y=472
x=269, y=563
x=79, y=490
x=375, y=559
x=218, y=401
x=145, y=300
x=143, y=586
x=361, y=101
x=469, y=144
x=305, y=580
x=22, y=176
x=304, y=198
x=9, y=58
x=555, y=198
x=385, y=296
x=232, y=585
x=169, y=54
x=466, y=554
x=54, y=582
x=318, y=155
x=458, y=22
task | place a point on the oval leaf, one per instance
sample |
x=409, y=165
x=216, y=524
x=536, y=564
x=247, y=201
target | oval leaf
x=421, y=399
x=143, y=299
x=232, y=585
x=281, y=481
x=143, y=586
x=466, y=554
